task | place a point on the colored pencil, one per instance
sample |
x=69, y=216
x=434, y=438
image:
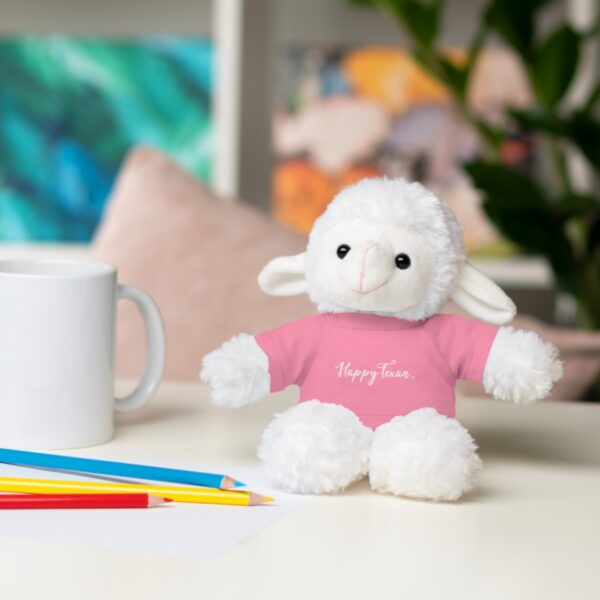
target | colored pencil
x=38, y=501
x=176, y=493
x=117, y=469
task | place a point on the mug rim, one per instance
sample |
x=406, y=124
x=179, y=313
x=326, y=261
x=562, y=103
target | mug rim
x=54, y=268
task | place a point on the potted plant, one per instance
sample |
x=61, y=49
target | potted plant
x=542, y=214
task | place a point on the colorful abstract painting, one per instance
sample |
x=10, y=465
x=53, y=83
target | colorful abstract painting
x=346, y=113
x=71, y=108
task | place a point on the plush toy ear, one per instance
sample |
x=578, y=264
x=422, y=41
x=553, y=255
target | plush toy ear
x=284, y=276
x=481, y=297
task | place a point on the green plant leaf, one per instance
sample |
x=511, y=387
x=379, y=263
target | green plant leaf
x=554, y=64
x=421, y=18
x=538, y=118
x=594, y=236
x=494, y=135
x=454, y=76
x=511, y=188
x=521, y=210
x=573, y=205
x=535, y=232
x=583, y=129
x=475, y=49
x=514, y=20
x=594, y=96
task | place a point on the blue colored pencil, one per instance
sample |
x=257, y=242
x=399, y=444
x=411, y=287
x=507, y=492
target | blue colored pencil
x=118, y=469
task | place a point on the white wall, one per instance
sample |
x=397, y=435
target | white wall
x=337, y=22
x=105, y=16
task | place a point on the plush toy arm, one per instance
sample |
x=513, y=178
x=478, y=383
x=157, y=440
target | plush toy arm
x=521, y=367
x=237, y=373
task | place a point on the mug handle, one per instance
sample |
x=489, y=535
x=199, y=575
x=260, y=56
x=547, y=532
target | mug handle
x=155, y=359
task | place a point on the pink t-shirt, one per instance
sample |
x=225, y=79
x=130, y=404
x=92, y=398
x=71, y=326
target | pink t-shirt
x=378, y=367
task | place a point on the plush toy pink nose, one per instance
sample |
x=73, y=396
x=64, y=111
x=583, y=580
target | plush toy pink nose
x=369, y=267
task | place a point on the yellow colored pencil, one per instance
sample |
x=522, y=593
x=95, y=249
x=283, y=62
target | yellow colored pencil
x=198, y=495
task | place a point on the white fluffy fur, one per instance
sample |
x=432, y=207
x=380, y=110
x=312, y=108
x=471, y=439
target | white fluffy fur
x=319, y=448
x=395, y=203
x=378, y=219
x=424, y=455
x=315, y=448
x=521, y=367
x=237, y=373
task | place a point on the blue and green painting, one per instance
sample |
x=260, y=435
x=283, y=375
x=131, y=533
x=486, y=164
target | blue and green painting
x=71, y=108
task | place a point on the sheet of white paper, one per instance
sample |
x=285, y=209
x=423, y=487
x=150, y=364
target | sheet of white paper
x=177, y=529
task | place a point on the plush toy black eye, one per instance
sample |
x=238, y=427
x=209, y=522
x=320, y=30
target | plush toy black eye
x=402, y=261
x=343, y=250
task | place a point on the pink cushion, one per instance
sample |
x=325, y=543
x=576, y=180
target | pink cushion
x=197, y=255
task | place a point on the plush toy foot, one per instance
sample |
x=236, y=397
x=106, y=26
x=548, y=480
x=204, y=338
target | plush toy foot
x=424, y=455
x=315, y=448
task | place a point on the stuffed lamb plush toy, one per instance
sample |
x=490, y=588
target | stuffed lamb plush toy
x=377, y=367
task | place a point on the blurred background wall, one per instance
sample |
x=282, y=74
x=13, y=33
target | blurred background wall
x=281, y=103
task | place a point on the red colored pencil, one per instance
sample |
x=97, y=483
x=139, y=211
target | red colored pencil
x=21, y=501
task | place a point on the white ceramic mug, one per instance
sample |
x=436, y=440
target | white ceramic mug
x=57, y=349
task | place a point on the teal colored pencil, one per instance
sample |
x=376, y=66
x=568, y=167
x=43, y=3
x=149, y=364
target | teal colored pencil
x=117, y=469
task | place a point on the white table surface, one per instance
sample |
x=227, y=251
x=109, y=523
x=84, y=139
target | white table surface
x=531, y=531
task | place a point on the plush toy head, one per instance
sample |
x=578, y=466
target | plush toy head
x=388, y=247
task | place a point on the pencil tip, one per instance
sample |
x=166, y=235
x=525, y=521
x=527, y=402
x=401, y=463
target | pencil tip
x=227, y=483
x=157, y=501
x=256, y=499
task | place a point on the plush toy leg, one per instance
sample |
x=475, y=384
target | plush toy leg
x=315, y=448
x=424, y=455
